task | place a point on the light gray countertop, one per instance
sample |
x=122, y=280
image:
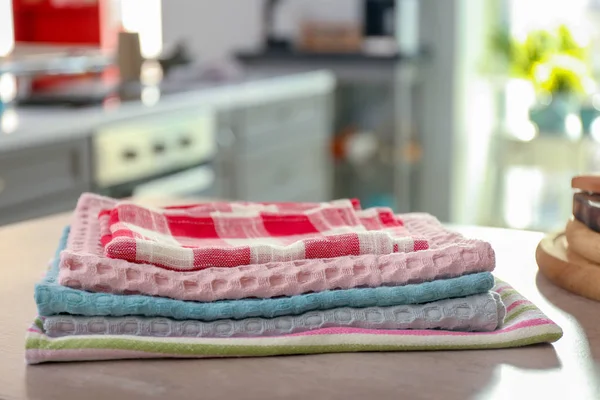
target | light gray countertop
x=568, y=369
x=26, y=127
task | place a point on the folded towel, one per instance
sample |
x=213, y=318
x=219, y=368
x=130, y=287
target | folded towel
x=523, y=325
x=480, y=312
x=83, y=265
x=197, y=237
x=52, y=298
x=281, y=207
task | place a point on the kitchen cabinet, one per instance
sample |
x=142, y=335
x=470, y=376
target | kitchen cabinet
x=276, y=151
x=259, y=140
x=42, y=180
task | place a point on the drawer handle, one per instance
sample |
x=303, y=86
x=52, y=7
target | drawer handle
x=129, y=155
x=159, y=148
x=185, y=141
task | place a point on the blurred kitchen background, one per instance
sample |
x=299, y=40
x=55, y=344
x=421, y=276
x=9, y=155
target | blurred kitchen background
x=477, y=111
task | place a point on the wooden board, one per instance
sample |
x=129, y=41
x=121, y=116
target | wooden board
x=567, y=269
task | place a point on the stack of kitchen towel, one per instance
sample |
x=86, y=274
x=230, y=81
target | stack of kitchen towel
x=255, y=279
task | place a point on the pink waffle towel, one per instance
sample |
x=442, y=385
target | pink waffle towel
x=84, y=266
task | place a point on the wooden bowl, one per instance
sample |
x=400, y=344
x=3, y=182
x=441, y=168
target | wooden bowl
x=566, y=268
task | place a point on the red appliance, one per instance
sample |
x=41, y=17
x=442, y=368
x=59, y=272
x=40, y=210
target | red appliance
x=66, y=22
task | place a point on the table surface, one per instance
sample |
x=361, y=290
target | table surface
x=569, y=369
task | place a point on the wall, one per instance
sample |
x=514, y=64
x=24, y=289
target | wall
x=474, y=112
x=217, y=28
x=455, y=123
x=213, y=29
x=7, y=40
x=438, y=122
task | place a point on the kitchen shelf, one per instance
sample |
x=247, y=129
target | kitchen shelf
x=296, y=56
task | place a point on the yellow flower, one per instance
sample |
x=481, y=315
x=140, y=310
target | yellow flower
x=561, y=73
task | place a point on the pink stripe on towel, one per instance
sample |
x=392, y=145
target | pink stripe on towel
x=441, y=333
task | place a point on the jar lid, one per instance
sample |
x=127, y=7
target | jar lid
x=587, y=183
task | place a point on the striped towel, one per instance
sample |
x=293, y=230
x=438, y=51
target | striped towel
x=476, y=313
x=523, y=325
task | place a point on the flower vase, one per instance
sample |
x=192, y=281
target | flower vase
x=557, y=117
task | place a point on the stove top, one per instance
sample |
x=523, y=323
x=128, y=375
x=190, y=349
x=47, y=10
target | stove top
x=98, y=91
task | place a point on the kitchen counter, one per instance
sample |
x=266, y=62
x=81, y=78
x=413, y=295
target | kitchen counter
x=246, y=136
x=569, y=369
x=26, y=127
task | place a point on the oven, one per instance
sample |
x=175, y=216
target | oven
x=165, y=154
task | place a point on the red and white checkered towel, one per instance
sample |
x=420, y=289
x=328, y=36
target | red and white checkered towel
x=195, y=237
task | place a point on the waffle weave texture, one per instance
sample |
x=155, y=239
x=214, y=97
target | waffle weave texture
x=52, y=298
x=83, y=265
x=477, y=313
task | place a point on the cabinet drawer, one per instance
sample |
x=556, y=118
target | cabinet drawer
x=288, y=170
x=317, y=191
x=274, y=114
x=282, y=121
x=131, y=150
x=36, y=173
x=43, y=206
